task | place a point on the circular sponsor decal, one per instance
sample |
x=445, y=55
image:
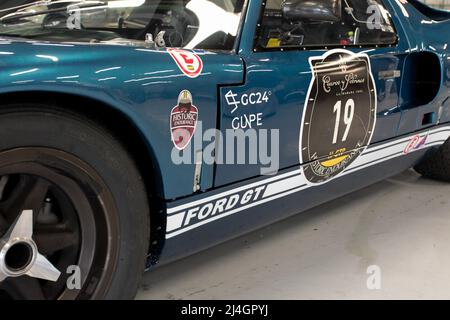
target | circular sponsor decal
x=339, y=114
x=188, y=62
x=183, y=120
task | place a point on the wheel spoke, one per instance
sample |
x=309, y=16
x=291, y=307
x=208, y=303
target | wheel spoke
x=44, y=269
x=36, y=196
x=29, y=194
x=25, y=288
x=53, y=238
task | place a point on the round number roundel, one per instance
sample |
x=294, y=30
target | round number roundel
x=339, y=114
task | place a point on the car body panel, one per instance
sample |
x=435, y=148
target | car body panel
x=399, y=127
x=424, y=35
x=278, y=197
x=143, y=84
x=136, y=81
x=285, y=76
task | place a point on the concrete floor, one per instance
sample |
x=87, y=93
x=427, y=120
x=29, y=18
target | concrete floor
x=401, y=225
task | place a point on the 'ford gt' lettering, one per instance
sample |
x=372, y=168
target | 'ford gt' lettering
x=222, y=205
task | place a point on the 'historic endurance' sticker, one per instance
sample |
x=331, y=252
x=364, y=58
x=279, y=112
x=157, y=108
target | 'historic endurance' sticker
x=339, y=114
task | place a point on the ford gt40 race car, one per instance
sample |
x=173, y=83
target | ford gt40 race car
x=137, y=132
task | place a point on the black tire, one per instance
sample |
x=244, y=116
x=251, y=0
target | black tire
x=111, y=189
x=436, y=164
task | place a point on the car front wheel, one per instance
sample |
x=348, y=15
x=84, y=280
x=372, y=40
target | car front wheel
x=74, y=216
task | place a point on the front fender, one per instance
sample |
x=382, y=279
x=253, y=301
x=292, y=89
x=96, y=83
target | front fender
x=142, y=84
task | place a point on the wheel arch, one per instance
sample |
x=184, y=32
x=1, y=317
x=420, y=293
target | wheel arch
x=122, y=127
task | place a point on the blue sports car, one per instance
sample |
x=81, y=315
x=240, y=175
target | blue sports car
x=137, y=132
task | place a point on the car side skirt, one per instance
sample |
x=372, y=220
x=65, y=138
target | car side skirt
x=202, y=221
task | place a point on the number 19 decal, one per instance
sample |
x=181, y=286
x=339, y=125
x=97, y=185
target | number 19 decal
x=342, y=90
x=348, y=118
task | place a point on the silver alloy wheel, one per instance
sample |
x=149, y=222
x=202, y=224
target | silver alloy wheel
x=19, y=254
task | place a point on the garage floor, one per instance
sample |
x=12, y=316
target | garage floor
x=401, y=225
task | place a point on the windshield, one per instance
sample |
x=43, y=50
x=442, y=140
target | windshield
x=190, y=24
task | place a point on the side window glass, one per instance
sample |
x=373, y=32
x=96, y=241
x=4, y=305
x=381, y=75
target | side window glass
x=324, y=23
x=437, y=4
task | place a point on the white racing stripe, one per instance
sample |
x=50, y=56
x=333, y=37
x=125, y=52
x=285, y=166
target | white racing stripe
x=254, y=204
x=283, y=185
x=292, y=182
x=226, y=193
x=175, y=221
x=393, y=151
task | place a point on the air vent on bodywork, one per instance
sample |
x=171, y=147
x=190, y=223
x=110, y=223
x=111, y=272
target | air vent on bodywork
x=422, y=79
x=428, y=118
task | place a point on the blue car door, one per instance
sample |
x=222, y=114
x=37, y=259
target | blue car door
x=320, y=86
x=423, y=102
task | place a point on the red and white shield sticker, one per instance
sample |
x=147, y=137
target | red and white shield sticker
x=188, y=62
x=183, y=120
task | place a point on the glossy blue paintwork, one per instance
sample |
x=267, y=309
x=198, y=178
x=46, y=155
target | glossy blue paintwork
x=424, y=35
x=288, y=74
x=276, y=210
x=144, y=85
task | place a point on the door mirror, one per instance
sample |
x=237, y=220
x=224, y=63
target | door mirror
x=312, y=10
